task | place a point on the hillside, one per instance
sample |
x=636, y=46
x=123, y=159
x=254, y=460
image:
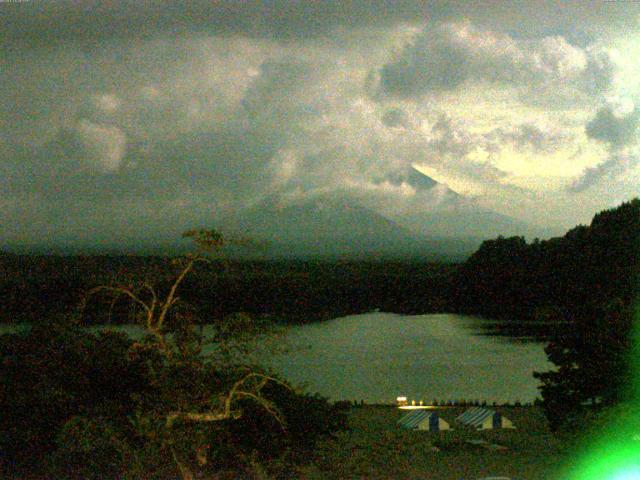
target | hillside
x=556, y=278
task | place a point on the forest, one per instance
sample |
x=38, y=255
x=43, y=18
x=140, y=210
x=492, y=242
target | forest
x=287, y=291
x=582, y=289
x=556, y=278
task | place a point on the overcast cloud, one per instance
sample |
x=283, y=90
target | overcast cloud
x=137, y=118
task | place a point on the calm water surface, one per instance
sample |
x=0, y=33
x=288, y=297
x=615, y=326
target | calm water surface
x=378, y=356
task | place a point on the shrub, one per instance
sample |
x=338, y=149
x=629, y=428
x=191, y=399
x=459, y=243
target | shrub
x=104, y=406
x=52, y=373
x=91, y=448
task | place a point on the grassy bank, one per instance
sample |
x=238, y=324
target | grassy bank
x=376, y=447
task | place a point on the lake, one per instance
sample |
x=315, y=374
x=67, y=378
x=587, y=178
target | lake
x=377, y=357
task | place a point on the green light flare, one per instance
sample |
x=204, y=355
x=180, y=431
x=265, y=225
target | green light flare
x=610, y=461
x=613, y=453
x=627, y=475
x=634, y=361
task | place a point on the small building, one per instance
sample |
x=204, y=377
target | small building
x=402, y=401
x=423, y=420
x=484, y=419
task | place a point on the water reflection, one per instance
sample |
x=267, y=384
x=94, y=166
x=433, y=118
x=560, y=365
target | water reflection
x=509, y=330
x=378, y=356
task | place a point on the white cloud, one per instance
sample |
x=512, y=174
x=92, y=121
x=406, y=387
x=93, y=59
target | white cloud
x=526, y=136
x=284, y=166
x=104, y=146
x=107, y=102
x=444, y=57
x=464, y=185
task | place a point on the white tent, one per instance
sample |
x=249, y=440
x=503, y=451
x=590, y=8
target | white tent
x=423, y=420
x=483, y=419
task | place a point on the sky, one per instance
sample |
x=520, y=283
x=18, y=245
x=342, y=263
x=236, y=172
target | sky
x=135, y=119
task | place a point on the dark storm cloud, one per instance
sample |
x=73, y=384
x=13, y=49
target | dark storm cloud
x=94, y=161
x=47, y=21
x=616, y=165
x=428, y=64
x=276, y=18
x=272, y=101
x=395, y=117
x=616, y=130
x=444, y=56
x=155, y=113
x=160, y=130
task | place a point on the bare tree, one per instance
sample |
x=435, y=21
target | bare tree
x=156, y=311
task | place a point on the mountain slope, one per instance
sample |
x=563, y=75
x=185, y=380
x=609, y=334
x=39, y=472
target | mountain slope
x=439, y=212
x=451, y=228
x=325, y=227
x=464, y=220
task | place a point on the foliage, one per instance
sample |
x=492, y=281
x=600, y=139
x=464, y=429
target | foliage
x=308, y=418
x=50, y=374
x=553, y=279
x=103, y=405
x=593, y=364
x=585, y=284
x=288, y=290
x=91, y=447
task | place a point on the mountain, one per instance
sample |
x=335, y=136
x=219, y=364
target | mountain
x=321, y=227
x=412, y=177
x=451, y=228
x=464, y=220
x=435, y=223
x=332, y=227
x=454, y=216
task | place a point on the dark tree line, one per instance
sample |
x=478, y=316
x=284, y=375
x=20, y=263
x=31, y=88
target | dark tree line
x=553, y=279
x=585, y=284
x=33, y=288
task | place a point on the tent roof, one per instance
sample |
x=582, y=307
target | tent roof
x=414, y=418
x=475, y=416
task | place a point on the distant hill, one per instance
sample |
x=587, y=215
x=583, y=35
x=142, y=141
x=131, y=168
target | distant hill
x=466, y=220
x=330, y=226
x=326, y=227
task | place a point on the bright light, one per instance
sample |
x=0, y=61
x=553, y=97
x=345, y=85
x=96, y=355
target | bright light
x=613, y=452
x=611, y=457
x=417, y=407
x=630, y=474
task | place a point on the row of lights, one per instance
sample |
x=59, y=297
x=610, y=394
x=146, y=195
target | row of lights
x=403, y=402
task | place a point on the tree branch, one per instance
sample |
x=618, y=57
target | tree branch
x=201, y=417
x=119, y=291
x=170, y=297
x=234, y=393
